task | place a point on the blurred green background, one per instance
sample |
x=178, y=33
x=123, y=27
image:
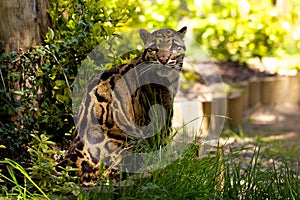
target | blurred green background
x=234, y=30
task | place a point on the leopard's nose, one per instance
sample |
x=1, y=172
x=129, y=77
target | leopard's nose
x=163, y=60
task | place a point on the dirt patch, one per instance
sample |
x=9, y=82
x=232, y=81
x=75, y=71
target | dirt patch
x=274, y=124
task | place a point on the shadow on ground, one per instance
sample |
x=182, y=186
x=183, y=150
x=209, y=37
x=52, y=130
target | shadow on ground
x=274, y=124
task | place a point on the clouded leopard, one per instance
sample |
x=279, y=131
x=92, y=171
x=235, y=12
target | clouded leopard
x=127, y=108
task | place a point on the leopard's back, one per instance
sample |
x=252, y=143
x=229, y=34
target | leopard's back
x=115, y=108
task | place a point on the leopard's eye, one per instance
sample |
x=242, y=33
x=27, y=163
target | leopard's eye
x=152, y=48
x=176, y=47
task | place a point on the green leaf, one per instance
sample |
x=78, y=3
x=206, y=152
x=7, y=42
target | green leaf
x=60, y=83
x=19, y=92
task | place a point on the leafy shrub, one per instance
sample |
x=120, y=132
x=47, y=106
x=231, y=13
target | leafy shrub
x=43, y=178
x=161, y=14
x=44, y=169
x=36, y=85
x=230, y=31
x=292, y=40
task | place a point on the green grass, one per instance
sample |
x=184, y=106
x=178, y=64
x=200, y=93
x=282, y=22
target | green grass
x=19, y=191
x=248, y=172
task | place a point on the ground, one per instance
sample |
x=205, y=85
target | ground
x=279, y=124
x=274, y=124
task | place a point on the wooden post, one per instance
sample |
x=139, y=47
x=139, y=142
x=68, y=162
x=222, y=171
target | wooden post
x=254, y=92
x=244, y=88
x=281, y=90
x=294, y=91
x=268, y=91
x=206, y=105
x=235, y=108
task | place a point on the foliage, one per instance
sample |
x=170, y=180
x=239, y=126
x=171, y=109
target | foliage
x=235, y=31
x=79, y=26
x=161, y=14
x=43, y=177
x=219, y=176
x=44, y=168
x=36, y=85
x=34, y=96
x=222, y=175
x=20, y=191
x=292, y=40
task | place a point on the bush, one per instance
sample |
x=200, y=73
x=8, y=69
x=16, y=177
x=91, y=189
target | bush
x=161, y=14
x=36, y=85
x=233, y=31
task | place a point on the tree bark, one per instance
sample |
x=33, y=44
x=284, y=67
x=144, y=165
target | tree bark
x=23, y=23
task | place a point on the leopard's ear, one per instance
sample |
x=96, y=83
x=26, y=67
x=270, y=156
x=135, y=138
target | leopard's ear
x=145, y=35
x=182, y=31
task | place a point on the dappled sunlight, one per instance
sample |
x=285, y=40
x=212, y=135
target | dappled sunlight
x=266, y=118
x=270, y=124
x=290, y=136
x=286, y=136
x=265, y=115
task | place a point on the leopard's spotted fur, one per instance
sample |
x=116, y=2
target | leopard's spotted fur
x=105, y=117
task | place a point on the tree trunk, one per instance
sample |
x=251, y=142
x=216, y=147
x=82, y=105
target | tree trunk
x=23, y=23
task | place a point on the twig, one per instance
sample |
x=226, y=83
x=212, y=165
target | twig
x=5, y=89
x=65, y=76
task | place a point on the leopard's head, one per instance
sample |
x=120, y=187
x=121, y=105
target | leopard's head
x=164, y=46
